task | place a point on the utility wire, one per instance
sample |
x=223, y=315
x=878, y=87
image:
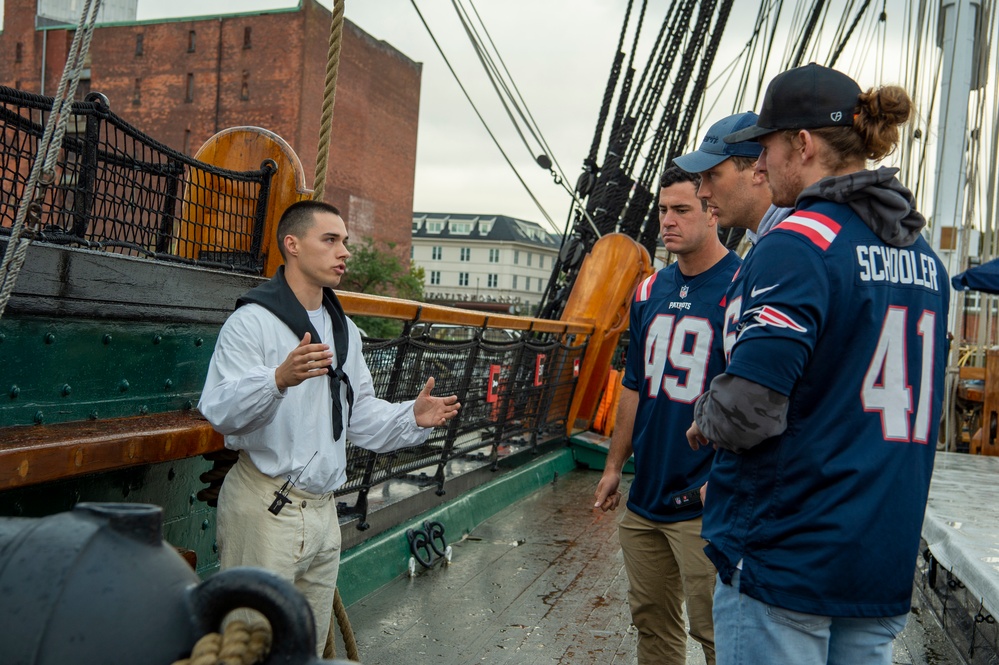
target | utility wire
x=481, y=119
x=536, y=131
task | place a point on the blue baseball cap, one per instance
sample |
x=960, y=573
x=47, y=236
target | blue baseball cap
x=714, y=150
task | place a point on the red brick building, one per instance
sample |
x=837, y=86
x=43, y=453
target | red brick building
x=183, y=80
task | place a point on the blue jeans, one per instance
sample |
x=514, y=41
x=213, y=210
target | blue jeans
x=751, y=632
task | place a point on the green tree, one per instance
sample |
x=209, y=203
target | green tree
x=381, y=272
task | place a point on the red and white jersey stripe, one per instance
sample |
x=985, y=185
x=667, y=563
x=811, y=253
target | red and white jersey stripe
x=645, y=288
x=818, y=228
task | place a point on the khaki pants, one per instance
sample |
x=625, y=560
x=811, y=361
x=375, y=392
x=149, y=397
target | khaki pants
x=666, y=565
x=301, y=544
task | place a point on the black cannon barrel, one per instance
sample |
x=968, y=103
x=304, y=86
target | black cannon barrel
x=98, y=585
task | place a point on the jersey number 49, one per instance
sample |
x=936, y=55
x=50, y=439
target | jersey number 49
x=686, y=343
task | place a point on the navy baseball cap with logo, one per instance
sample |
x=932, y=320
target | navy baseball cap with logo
x=809, y=97
x=714, y=150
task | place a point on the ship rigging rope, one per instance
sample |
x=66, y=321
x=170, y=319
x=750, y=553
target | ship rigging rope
x=43, y=169
x=481, y=119
x=339, y=614
x=329, y=96
x=506, y=92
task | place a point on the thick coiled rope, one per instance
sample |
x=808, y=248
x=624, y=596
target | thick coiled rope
x=238, y=644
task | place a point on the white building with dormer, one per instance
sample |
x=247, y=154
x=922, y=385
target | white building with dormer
x=483, y=261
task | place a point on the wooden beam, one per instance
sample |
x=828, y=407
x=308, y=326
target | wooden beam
x=36, y=454
x=359, y=304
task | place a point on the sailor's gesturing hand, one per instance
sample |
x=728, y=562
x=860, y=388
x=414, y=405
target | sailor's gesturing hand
x=433, y=411
x=304, y=362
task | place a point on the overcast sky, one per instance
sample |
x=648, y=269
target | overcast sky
x=559, y=53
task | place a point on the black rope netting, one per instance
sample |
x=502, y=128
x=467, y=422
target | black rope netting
x=514, y=388
x=117, y=189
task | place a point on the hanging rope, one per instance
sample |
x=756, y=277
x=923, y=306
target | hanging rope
x=329, y=95
x=341, y=619
x=43, y=170
x=339, y=615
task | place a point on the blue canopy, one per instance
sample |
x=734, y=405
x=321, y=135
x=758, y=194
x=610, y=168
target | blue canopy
x=983, y=278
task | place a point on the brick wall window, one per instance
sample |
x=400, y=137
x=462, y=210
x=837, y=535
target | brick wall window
x=435, y=277
x=187, y=141
x=19, y=52
x=189, y=88
x=463, y=279
x=247, y=37
x=244, y=90
x=138, y=43
x=137, y=92
x=191, y=41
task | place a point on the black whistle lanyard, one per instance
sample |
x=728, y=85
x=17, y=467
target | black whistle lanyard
x=281, y=498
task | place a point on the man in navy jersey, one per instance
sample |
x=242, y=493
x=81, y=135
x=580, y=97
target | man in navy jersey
x=675, y=350
x=825, y=419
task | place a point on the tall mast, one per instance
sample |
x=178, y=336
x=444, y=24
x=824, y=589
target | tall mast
x=958, y=21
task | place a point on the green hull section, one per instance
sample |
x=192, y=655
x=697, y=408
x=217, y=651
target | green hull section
x=61, y=370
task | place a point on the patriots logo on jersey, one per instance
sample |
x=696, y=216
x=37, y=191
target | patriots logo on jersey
x=767, y=315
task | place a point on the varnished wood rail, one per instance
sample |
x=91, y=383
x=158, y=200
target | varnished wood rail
x=35, y=454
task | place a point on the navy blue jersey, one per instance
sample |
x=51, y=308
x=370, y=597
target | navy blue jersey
x=826, y=517
x=674, y=352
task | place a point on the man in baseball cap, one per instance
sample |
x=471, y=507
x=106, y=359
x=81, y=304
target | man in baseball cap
x=736, y=193
x=809, y=97
x=825, y=418
x=714, y=149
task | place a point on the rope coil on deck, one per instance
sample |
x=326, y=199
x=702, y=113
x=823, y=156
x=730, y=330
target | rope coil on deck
x=238, y=644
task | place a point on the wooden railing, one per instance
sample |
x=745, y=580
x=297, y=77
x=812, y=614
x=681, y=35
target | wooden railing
x=31, y=455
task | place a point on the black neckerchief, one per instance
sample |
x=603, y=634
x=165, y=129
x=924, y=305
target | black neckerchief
x=277, y=297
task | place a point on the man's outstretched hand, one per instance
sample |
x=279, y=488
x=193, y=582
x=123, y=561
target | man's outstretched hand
x=433, y=411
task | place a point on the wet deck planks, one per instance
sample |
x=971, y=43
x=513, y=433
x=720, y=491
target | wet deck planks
x=542, y=581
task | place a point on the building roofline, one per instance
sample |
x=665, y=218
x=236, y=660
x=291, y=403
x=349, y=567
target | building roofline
x=178, y=19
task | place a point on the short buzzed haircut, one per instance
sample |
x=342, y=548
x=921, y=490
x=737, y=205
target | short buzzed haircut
x=674, y=175
x=298, y=218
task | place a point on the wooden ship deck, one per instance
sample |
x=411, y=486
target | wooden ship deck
x=542, y=581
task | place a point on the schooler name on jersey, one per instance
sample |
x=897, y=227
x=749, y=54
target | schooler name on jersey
x=896, y=265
